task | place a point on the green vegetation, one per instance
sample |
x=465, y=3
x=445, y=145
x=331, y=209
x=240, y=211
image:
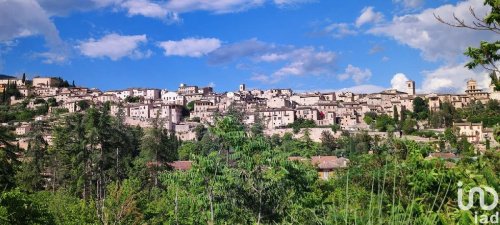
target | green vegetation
x=100, y=171
x=382, y=122
x=190, y=106
x=8, y=91
x=488, y=114
x=132, y=99
x=301, y=123
x=420, y=109
x=104, y=172
x=20, y=112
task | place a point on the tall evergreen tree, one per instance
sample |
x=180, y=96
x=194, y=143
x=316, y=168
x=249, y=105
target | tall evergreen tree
x=8, y=159
x=30, y=177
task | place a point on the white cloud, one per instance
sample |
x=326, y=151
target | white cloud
x=355, y=73
x=365, y=89
x=398, y=82
x=307, y=61
x=64, y=7
x=216, y=6
x=436, y=40
x=262, y=78
x=290, y=2
x=190, y=47
x=115, y=47
x=145, y=8
x=244, y=49
x=339, y=30
x=452, y=79
x=410, y=3
x=26, y=18
x=368, y=15
x=292, y=61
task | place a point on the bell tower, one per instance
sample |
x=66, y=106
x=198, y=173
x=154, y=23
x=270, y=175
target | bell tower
x=410, y=87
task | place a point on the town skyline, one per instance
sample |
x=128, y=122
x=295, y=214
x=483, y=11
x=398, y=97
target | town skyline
x=398, y=83
x=303, y=45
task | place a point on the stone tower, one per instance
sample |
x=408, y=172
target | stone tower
x=410, y=87
x=242, y=87
x=471, y=85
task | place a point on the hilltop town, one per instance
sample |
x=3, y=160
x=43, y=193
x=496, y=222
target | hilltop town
x=277, y=110
x=79, y=137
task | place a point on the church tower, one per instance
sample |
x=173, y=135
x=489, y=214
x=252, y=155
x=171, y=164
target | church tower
x=410, y=87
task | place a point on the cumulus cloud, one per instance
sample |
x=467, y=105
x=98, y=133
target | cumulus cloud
x=410, y=3
x=261, y=78
x=145, y=8
x=368, y=15
x=357, y=74
x=423, y=32
x=216, y=6
x=398, y=82
x=292, y=61
x=307, y=61
x=231, y=52
x=452, y=79
x=365, y=89
x=27, y=18
x=64, y=7
x=190, y=47
x=300, y=62
x=115, y=47
x=339, y=30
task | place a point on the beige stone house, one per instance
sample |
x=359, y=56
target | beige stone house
x=186, y=89
x=472, y=131
x=23, y=129
x=45, y=82
x=273, y=118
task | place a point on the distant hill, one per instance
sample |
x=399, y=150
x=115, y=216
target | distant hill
x=3, y=76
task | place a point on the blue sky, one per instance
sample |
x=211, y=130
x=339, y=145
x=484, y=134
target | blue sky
x=362, y=46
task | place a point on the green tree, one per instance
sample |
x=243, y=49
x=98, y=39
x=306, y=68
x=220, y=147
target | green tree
x=328, y=143
x=158, y=147
x=52, y=102
x=190, y=105
x=395, y=114
x=420, y=108
x=83, y=105
x=450, y=136
x=30, y=176
x=384, y=122
x=409, y=126
x=8, y=159
x=19, y=208
x=121, y=204
x=200, y=131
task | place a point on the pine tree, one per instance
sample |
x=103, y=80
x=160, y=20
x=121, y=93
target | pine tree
x=30, y=177
x=8, y=159
x=396, y=114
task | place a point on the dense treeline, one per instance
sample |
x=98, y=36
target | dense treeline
x=409, y=122
x=100, y=171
